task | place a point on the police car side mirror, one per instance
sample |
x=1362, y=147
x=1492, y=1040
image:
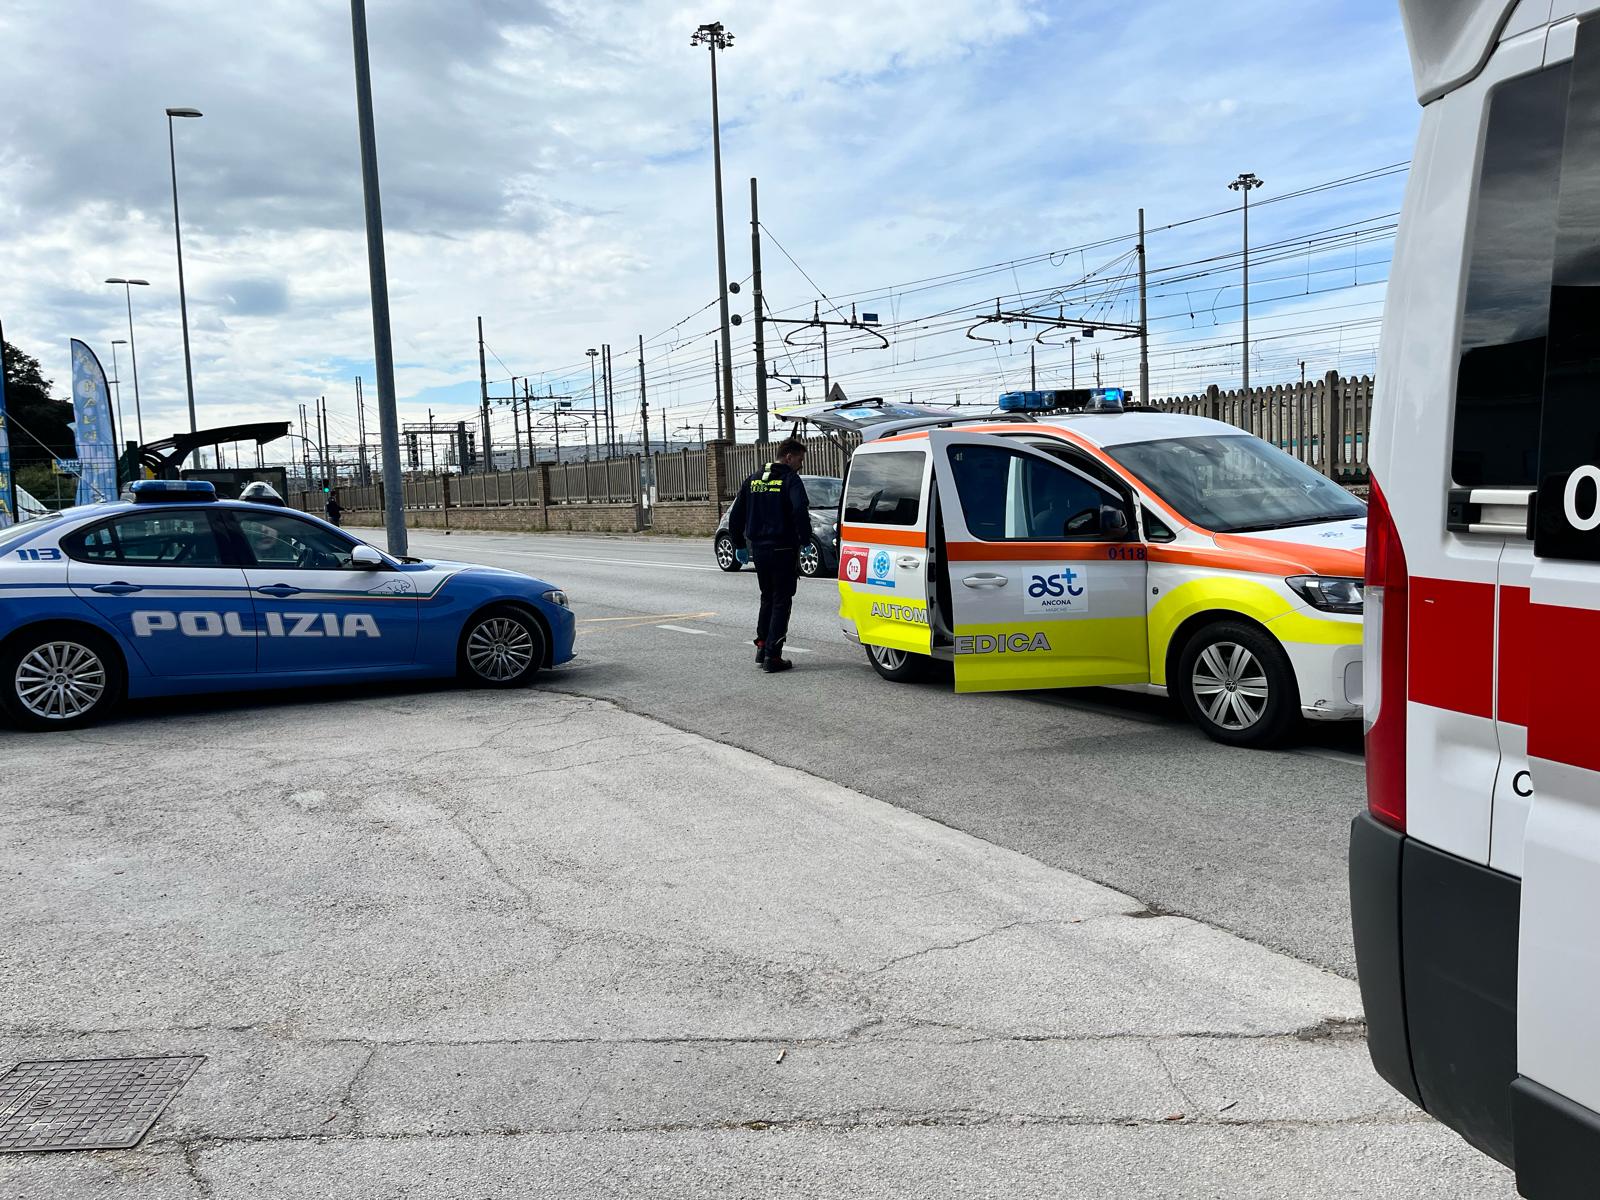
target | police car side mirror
x=365, y=557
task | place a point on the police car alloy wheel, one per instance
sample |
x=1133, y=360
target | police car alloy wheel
x=898, y=666
x=502, y=648
x=60, y=680
x=1236, y=683
x=726, y=558
x=811, y=560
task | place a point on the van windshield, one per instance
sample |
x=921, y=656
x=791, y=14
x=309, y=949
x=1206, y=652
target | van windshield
x=1236, y=483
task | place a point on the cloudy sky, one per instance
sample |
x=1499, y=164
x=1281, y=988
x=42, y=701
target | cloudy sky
x=546, y=165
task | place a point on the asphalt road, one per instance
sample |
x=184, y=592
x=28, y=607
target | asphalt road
x=1115, y=787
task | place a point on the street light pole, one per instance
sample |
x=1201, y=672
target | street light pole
x=133, y=350
x=715, y=38
x=1246, y=183
x=177, y=234
x=394, y=515
x=116, y=381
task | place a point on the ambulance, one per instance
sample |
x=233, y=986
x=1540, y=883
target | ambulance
x=1475, y=871
x=1070, y=541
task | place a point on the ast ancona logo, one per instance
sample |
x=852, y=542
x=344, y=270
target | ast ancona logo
x=149, y=622
x=1064, y=591
x=900, y=612
x=1003, y=643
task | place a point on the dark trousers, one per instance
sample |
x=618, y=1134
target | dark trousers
x=778, y=572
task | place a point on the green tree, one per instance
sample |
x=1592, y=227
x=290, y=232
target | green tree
x=39, y=424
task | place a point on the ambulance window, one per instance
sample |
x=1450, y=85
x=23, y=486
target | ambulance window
x=1009, y=496
x=1570, y=437
x=158, y=539
x=1155, y=529
x=1500, y=384
x=884, y=489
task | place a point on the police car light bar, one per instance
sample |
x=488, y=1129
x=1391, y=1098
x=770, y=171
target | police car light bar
x=148, y=491
x=1069, y=399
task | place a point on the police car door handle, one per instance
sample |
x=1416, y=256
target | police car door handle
x=277, y=589
x=909, y=562
x=117, y=588
x=983, y=581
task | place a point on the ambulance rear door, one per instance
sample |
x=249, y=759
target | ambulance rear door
x=883, y=546
x=1047, y=579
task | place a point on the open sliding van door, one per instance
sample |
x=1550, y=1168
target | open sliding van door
x=1047, y=579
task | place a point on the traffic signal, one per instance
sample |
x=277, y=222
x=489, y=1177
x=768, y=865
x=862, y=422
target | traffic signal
x=324, y=487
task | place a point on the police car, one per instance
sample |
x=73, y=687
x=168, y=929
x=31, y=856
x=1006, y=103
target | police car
x=1066, y=542
x=171, y=591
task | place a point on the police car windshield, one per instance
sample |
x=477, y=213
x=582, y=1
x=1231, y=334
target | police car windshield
x=1236, y=483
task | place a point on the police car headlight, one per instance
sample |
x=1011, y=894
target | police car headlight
x=1328, y=593
x=556, y=596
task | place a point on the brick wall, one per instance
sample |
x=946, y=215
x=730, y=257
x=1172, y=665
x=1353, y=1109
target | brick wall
x=696, y=518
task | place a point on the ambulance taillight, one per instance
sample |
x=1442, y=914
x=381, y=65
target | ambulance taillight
x=1387, y=614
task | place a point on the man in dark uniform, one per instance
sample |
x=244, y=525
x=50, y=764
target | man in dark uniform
x=771, y=516
x=334, y=509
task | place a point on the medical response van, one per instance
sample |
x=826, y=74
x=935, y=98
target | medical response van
x=1068, y=542
x=1475, y=873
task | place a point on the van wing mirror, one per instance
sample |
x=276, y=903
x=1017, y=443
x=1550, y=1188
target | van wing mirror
x=1114, y=523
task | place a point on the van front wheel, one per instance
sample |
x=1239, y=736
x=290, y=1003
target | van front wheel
x=899, y=666
x=1236, y=683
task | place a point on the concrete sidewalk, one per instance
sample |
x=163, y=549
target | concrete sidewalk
x=500, y=945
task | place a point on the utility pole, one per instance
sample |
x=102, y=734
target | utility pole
x=361, y=432
x=483, y=387
x=1033, y=370
x=394, y=513
x=664, y=442
x=593, y=406
x=1246, y=183
x=755, y=282
x=1073, y=342
x=322, y=430
x=644, y=403
x=1144, y=322
x=724, y=420
x=1097, y=357
x=715, y=38
x=611, y=416
x=527, y=419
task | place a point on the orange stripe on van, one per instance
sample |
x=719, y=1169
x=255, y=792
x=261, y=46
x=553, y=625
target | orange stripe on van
x=882, y=537
x=1028, y=551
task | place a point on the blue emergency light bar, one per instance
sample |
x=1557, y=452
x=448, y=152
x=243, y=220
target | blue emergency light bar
x=1065, y=399
x=151, y=491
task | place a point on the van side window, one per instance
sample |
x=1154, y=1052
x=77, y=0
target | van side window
x=1009, y=496
x=1570, y=437
x=1155, y=529
x=884, y=489
x=1500, y=383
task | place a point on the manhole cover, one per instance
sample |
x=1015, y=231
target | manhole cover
x=87, y=1104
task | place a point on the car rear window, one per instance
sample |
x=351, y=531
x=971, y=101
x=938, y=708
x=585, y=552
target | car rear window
x=885, y=488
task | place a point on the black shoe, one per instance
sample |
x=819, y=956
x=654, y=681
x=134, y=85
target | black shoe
x=761, y=652
x=774, y=664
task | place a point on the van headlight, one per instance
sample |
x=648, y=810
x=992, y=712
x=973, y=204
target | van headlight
x=556, y=596
x=1328, y=592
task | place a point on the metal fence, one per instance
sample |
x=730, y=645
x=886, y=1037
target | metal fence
x=1325, y=423
x=681, y=475
x=497, y=489
x=824, y=456
x=606, y=481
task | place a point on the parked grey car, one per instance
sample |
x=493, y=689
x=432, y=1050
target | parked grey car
x=819, y=556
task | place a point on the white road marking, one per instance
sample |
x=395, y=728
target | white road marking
x=798, y=650
x=686, y=629
x=586, y=558
x=1338, y=756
